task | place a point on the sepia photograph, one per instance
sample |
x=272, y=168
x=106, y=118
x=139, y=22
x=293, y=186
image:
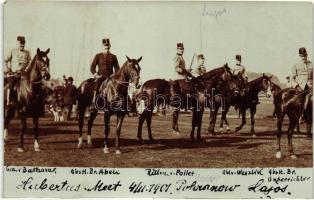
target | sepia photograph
x=157, y=85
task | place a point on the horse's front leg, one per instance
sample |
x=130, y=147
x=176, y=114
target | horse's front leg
x=120, y=117
x=141, y=120
x=175, y=117
x=280, y=117
x=252, y=113
x=81, y=113
x=90, y=124
x=36, y=132
x=194, y=123
x=106, y=130
x=199, y=124
x=293, y=122
x=9, y=114
x=149, y=125
x=212, y=122
x=243, y=113
x=23, y=129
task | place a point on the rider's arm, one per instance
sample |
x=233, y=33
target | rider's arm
x=93, y=65
x=293, y=76
x=177, y=64
x=8, y=60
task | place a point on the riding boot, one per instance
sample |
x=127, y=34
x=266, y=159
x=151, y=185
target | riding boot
x=93, y=106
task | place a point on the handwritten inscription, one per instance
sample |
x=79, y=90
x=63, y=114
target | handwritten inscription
x=178, y=172
x=213, y=13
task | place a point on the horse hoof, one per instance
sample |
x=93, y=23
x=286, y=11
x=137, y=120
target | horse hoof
x=20, y=149
x=37, y=149
x=228, y=129
x=254, y=136
x=5, y=135
x=118, y=151
x=106, y=150
x=237, y=129
x=176, y=132
x=79, y=145
x=278, y=155
x=293, y=156
x=89, y=145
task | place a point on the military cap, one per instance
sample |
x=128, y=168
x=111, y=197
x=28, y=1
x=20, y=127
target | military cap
x=70, y=79
x=106, y=41
x=302, y=51
x=180, y=46
x=238, y=57
x=200, y=56
x=21, y=39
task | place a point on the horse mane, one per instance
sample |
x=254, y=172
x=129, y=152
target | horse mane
x=215, y=71
x=119, y=72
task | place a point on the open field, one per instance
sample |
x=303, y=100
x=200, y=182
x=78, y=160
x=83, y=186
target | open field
x=59, y=145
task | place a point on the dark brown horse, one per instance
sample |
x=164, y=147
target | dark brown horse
x=250, y=99
x=113, y=100
x=290, y=102
x=180, y=94
x=29, y=97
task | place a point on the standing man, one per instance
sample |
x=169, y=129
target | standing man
x=302, y=75
x=179, y=63
x=69, y=96
x=15, y=64
x=106, y=62
x=201, y=69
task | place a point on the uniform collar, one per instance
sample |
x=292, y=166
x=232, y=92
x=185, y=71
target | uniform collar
x=179, y=54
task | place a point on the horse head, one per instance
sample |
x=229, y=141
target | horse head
x=266, y=85
x=39, y=67
x=131, y=71
x=237, y=85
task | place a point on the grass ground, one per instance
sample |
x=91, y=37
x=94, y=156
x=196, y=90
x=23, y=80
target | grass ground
x=59, y=145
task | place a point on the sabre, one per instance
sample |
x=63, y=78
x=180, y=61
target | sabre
x=192, y=61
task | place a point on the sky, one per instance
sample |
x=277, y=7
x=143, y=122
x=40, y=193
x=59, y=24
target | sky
x=266, y=34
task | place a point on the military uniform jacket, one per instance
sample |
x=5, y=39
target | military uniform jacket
x=17, y=60
x=240, y=70
x=69, y=94
x=179, y=64
x=200, y=70
x=302, y=74
x=106, y=63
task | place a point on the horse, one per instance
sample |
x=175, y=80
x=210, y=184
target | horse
x=114, y=91
x=250, y=100
x=290, y=102
x=179, y=94
x=30, y=97
x=231, y=99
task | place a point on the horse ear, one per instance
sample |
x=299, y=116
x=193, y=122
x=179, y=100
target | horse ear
x=271, y=76
x=38, y=50
x=138, y=60
x=127, y=57
x=47, y=51
x=263, y=74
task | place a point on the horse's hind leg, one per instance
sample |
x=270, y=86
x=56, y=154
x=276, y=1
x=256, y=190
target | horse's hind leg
x=279, y=131
x=90, y=123
x=36, y=132
x=243, y=113
x=194, y=124
x=292, y=125
x=199, y=125
x=175, y=117
x=23, y=129
x=81, y=113
x=252, y=113
x=8, y=116
x=149, y=125
x=141, y=120
x=106, y=131
x=120, y=118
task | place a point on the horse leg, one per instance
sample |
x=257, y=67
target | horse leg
x=9, y=115
x=221, y=127
x=212, y=122
x=243, y=113
x=194, y=124
x=141, y=120
x=81, y=110
x=280, y=117
x=224, y=117
x=199, y=125
x=292, y=125
x=23, y=129
x=175, y=117
x=149, y=123
x=120, y=118
x=90, y=123
x=252, y=113
x=36, y=132
x=107, y=131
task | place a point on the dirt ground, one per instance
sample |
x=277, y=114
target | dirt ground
x=59, y=145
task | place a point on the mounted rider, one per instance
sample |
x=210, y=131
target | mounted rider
x=200, y=69
x=106, y=62
x=179, y=63
x=302, y=75
x=15, y=64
